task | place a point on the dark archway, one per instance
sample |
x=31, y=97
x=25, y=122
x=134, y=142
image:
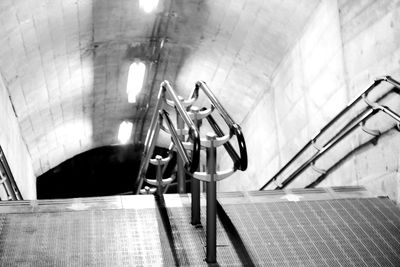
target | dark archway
x=102, y=171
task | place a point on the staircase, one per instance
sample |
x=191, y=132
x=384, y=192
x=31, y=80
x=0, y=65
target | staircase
x=338, y=226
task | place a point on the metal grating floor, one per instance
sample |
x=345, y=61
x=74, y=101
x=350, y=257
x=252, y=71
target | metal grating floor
x=345, y=232
x=252, y=230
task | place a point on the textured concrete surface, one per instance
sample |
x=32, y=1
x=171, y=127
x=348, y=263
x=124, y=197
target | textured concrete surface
x=65, y=62
x=344, y=46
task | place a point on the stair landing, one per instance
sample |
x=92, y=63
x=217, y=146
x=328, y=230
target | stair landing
x=315, y=227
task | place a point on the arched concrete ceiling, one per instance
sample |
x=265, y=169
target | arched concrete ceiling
x=65, y=62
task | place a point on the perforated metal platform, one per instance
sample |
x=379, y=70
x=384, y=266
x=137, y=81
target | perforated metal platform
x=335, y=227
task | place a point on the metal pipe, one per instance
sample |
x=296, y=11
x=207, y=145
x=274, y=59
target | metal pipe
x=178, y=105
x=215, y=102
x=149, y=141
x=158, y=35
x=3, y=182
x=392, y=81
x=233, y=127
x=9, y=191
x=159, y=176
x=390, y=112
x=211, y=202
x=146, y=158
x=338, y=163
x=239, y=162
x=195, y=184
x=154, y=118
x=335, y=139
x=14, y=192
x=325, y=149
x=195, y=190
x=193, y=133
x=6, y=182
x=281, y=170
x=180, y=175
x=330, y=123
x=195, y=93
x=179, y=147
x=228, y=147
x=305, y=147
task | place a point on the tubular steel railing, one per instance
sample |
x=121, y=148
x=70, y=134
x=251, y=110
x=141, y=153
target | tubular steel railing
x=240, y=162
x=7, y=180
x=184, y=139
x=359, y=120
x=158, y=117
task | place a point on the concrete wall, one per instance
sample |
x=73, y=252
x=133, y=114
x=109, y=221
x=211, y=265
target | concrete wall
x=345, y=45
x=14, y=147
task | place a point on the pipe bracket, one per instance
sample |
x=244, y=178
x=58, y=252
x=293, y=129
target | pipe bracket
x=218, y=141
x=316, y=169
x=367, y=130
x=147, y=190
x=160, y=160
x=220, y=175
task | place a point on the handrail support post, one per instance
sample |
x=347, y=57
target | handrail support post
x=159, y=176
x=211, y=202
x=180, y=175
x=195, y=188
x=195, y=184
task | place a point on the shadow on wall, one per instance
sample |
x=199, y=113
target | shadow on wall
x=102, y=171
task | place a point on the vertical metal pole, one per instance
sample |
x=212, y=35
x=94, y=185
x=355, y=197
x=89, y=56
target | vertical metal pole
x=211, y=202
x=180, y=175
x=195, y=188
x=159, y=176
x=195, y=184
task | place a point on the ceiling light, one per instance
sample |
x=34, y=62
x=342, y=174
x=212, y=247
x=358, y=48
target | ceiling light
x=125, y=131
x=135, y=80
x=148, y=5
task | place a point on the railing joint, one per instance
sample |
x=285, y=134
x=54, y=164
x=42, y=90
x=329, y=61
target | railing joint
x=313, y=142
x=316, y=169
x=373, y=132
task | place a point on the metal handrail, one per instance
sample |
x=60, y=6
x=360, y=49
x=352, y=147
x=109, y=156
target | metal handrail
x=360, y=147
x=234, y=128
x=158, y=117
x=149, y=143
x=325, y=149
x=344, y=131
x=190, y=165
x=8, y=181
x=185, y=163
x=174, y=135
x=228, y=146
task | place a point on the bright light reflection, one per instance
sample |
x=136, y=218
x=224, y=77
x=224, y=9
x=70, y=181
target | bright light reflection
x=125, y=131
x=148, y=5
x=135, y=80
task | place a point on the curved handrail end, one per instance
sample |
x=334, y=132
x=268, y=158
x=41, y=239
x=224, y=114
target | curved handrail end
x=382, y=78
x=195, y=136
x=237, y=130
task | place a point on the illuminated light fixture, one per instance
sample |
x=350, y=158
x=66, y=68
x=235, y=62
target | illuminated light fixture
x=125, y=131
x=148, y=5
x=135, y=80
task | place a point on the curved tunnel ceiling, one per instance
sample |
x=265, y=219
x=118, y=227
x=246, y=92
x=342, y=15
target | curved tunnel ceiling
x=65, y=62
